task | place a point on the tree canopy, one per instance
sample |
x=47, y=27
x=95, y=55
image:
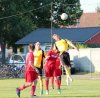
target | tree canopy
x=20, y=17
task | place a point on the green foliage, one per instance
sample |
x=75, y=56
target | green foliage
x=37, y=14
x=42, y=16
x=70, y=7
x=14, y=28
x=87, y=46
x=82, y=46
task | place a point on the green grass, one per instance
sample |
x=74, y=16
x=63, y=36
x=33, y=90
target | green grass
x=80, y=88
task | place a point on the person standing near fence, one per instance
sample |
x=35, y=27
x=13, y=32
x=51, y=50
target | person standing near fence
x=62, y=45
x=39, y=56
x=30, y=73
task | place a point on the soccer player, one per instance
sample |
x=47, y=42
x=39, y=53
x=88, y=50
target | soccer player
x=50, y=63
x=30, y=73
x=39, y=56
x=57, y=73
x=62, y=45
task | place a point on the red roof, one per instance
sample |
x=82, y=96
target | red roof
x=90, y=20
x=94, y=39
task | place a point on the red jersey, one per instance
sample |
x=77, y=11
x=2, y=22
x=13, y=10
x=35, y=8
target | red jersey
x=52, y=57
x=29, y=58
x=57, y=65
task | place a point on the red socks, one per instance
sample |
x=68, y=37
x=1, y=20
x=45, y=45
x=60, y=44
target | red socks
x=47, y=83
x=58, y=83
x=52, y=81
x=33, y=90
x=22, y=87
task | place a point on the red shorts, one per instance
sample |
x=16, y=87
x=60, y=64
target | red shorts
x=49, y=71
x=57, y=72
x=30, y=76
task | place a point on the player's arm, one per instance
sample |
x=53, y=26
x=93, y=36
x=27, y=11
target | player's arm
x=71, y=44
x=47, y=57
x=31, y=63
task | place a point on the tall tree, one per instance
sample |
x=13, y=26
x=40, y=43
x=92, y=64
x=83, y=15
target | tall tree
x=19, y=17
x=52, y=9
x=12, y=26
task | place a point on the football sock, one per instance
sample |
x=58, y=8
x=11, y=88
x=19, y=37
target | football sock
x=58, y=84
x=33, y=90
x=52, y=82
x=41, y=84
x=47, y=83
x=22, y=87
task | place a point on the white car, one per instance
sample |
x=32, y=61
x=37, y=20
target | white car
x=18, y=60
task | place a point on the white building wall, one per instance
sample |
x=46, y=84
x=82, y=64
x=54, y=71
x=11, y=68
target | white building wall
x=87, y=59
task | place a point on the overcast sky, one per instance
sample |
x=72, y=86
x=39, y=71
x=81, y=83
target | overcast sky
x=89, y=5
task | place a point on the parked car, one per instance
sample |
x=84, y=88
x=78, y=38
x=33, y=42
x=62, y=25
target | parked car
x=17, y=60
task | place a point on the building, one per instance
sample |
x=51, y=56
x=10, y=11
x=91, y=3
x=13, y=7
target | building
x=89, y=20
x=89, y=35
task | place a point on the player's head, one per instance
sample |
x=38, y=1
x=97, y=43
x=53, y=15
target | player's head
x=56, y=37
x=55, y=49
x=37, y=46
x=31, y=47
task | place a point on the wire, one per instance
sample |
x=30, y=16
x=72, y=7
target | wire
x=23, y=12
x=35, y=9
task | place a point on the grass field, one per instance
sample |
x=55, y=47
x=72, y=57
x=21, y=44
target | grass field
x=80, y=88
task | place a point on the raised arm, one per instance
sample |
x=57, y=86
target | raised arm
x=71, y=44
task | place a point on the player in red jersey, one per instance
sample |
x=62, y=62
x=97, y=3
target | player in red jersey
x=30, y=73
x=51, y=58
x=57, y=74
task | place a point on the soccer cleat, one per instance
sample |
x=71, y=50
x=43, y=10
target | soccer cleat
x=41, y=92
x=52, y=87
x=59, y=91
x=47, y=92
x=18, y=92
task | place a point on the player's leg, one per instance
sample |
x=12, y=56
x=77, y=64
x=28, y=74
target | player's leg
x=47, y=85
x=40, y=80
x=68, y=75
x=34, y=83
x=58, y=84
x=52, y=82
x=47, y=74
x=33, y=88
x=58, y=79
x=65, y=58
x=41, y=84
x=28, y=83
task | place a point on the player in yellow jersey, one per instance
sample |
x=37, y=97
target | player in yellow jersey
x=39, y=56
x=62, y=45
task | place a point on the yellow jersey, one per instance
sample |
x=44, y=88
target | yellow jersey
x=62, y=45
x=38, y=58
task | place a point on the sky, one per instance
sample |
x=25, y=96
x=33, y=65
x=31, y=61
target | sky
x=89, y=5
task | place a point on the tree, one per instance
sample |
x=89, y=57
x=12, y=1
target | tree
x=14, y=28
x=20, y=17
x=43, y=15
